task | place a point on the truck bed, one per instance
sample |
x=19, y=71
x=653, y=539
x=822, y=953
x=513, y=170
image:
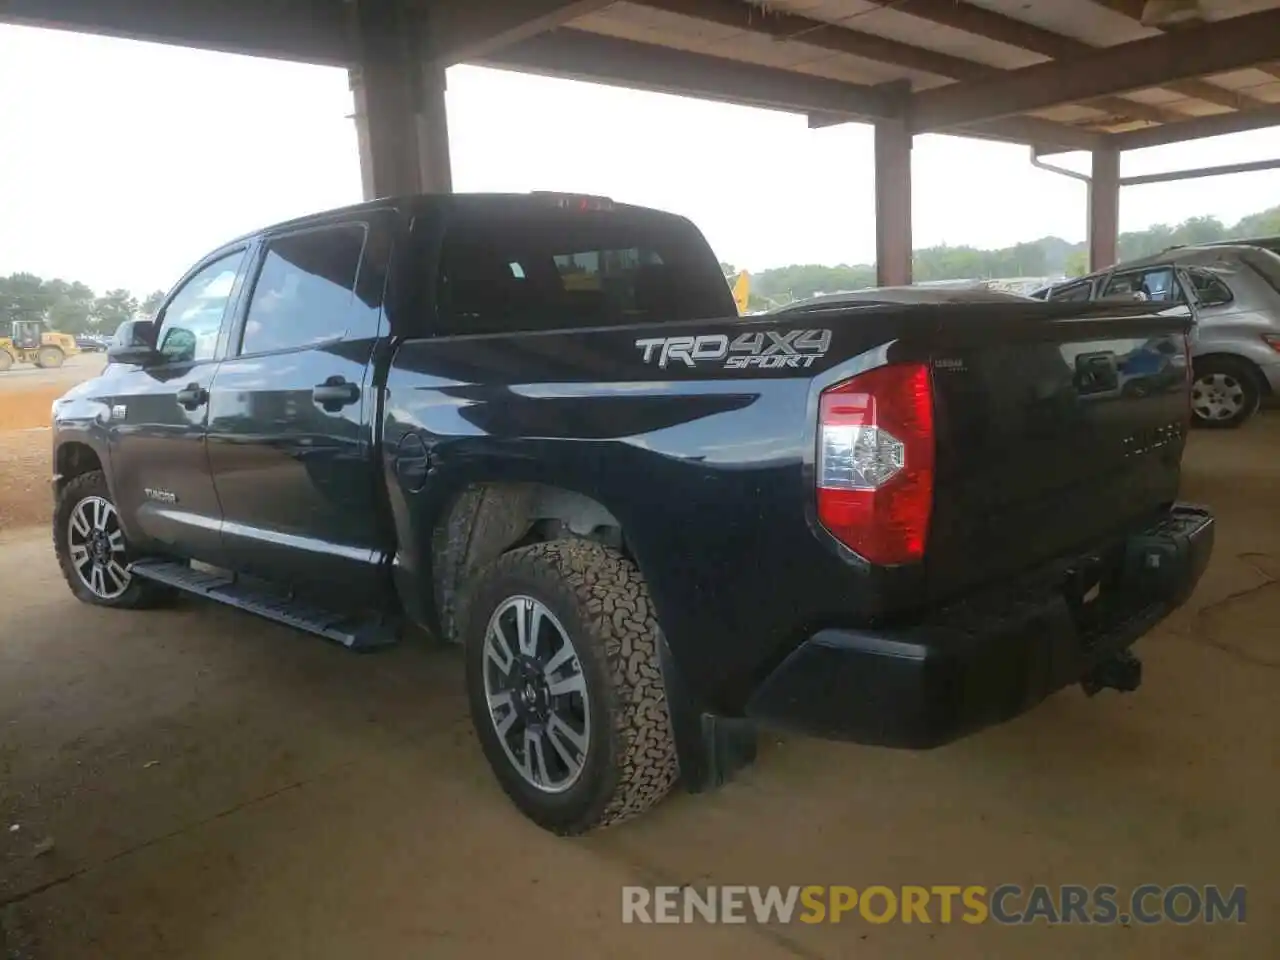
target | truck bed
x=700, y=438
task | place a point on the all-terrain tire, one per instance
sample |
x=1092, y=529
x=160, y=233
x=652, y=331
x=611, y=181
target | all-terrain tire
x=139, y=593
x=601, y=600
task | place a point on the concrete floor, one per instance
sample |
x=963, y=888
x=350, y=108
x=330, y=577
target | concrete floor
x=215, y=786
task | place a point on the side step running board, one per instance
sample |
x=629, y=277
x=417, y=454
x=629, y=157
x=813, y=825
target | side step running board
x=261, y=599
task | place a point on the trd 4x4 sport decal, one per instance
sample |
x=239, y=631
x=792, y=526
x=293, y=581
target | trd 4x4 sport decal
x=766, y=350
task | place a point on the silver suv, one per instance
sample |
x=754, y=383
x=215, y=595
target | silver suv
x=1233, y=291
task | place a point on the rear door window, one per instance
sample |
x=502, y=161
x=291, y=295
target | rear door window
x=1154, y=284
x=304, y=292
x=521, y=269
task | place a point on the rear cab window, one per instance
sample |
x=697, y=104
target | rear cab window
x=524, y=265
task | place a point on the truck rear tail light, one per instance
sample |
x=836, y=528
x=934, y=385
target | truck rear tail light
x=875, y=462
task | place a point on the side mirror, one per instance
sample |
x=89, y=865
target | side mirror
x=135, y=343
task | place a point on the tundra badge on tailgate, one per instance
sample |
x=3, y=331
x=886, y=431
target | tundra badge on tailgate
x=768, y=349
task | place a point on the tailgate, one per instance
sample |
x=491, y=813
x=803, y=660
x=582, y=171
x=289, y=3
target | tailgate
x=1052, y=434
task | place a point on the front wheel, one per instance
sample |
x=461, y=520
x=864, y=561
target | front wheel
x=565, y=686
x=92, y=550
x=49, y=358
x=1225, y=392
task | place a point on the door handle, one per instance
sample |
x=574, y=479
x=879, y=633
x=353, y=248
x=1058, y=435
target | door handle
x=335, y=393
x=192, y=396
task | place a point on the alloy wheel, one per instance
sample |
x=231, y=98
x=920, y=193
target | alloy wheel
x=95, y=544
x=537, y=694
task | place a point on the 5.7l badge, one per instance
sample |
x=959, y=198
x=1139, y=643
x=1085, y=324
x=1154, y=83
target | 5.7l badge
x=766, y=350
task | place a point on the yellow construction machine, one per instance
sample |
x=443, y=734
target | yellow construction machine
x=29, y=342
x=742, y=291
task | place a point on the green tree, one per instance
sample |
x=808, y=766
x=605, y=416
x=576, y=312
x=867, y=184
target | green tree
x=1263, y=224
x=22, y=297
x=150, y=304
x=70, y=306
x=1077, y=263
x=113, y=308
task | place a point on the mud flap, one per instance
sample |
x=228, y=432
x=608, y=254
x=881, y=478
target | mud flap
x=710, y=748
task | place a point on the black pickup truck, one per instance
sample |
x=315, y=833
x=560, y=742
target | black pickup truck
x=535, y=426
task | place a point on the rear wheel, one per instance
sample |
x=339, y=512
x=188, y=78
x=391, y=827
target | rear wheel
x=565, y=687
x=1225, y=392
x=49, y=358
x=92, y=550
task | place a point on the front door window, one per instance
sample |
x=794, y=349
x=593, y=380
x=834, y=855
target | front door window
x=193, y=317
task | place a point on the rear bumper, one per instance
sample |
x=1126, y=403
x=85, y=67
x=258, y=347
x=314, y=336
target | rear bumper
x=1271, y=373
x=988, y=658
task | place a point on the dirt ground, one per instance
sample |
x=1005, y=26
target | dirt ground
x=27, y=392
x=24, y=478
x=27, y=377
x=196, y=783
x=26, y=398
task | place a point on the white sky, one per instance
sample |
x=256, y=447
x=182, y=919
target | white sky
x=122, y=162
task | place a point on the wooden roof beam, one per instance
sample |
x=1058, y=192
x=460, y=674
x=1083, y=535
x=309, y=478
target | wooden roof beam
x=1128, y=8
x=1027, y=36
x=1045, y=135
x=581, y=55
x=463, y=31
x=781, y=25
x=310, y=31
x=1216, y=48
x=1212, y=93
x=994, y=26
x=1199, y=89
x=1212, y=126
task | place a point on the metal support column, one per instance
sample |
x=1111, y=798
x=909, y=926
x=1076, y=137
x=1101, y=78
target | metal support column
x=401, y=123
x=1104, y=207
x=893, y=202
